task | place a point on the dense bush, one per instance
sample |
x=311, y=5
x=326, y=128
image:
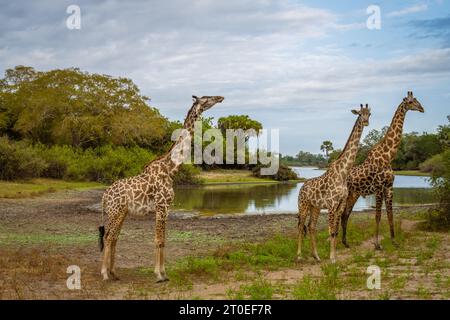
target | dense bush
x=19, y=161
x=104, y=164
x=284, y=173
x=80, y=109
x=305, y=159
x=187, y=174
x=22, y=160
x=435, y=165
x=440, y=218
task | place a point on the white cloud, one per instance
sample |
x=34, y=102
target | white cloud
x=413, y=9
x=266, y=57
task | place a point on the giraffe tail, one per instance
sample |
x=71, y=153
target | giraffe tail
x=101, y=233
x=101, y=229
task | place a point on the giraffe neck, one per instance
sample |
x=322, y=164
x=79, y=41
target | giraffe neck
x=347, y=158
x=388, y=147
x=173, y=158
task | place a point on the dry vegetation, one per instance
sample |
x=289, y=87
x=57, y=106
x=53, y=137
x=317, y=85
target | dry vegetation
x=240, y=257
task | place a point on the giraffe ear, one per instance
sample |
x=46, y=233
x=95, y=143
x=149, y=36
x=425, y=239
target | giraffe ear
x=355, y=112
x=195, y=98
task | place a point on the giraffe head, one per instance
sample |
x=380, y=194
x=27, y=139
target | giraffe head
x=411, y=103
x=364, y=114
x=206, y=102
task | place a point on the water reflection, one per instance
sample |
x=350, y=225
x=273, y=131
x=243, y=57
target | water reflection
x=282, y=198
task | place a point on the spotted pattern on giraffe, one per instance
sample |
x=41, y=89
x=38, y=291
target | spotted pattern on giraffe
x=375, y=175
x=329, y=191
x=150, y=192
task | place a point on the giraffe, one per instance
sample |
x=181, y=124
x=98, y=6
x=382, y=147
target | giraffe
x=329, y=191
x=375, y=174
x=146, y=193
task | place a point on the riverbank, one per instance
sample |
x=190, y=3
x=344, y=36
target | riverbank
x=247, y=256
x=416, y=173
x=40, y=186
x=227, y=176
x=36, y=187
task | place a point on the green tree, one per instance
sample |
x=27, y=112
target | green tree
x=334, y=155
x=415, y=149
x=373, y=137
x=77, y=108
x=235, y=122
x=444, y=134
x=327, y=147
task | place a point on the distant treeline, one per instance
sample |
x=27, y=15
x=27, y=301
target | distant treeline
x=304, y=158
x=416, y=151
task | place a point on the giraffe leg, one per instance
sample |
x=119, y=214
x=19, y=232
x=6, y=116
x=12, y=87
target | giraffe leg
x=389, y=194
x=302, y=214
x=160, y=235
x=312, y=232
x=379, y=203
x=112, y=271
x=106, y=258
x=115, y=221
x=334, y=217
x=351, y=200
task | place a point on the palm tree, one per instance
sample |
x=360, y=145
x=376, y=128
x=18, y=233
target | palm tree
x=327, y=147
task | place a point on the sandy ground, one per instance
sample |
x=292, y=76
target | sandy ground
x=42, y=236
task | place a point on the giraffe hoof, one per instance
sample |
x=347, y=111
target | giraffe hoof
x=346, y=244
x=395, y=243
x=114, y=277
x=298, y=259
x=317, y=258
x=378, y=247
x=162, y=279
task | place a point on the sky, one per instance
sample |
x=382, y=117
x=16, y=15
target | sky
x=296, y=66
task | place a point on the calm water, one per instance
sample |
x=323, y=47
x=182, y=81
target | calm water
x=282, y=198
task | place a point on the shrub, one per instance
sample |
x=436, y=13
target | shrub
x=18, y=160
x=440, y=218
x=187, y=174
x=284, y=173
x=435, y=165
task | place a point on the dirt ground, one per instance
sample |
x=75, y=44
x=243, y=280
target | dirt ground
x=40, y=237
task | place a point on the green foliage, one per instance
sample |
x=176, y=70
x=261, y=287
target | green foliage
x=440, y=218
x=444, y=134
x=370, y=140
x=259, y=289
x=334, y=155
x=284, y=173
x=243, y=122
x=187, y=174
x=415, y=149
x=71, y=107
x=19, y=161
x=236, y=122
x=303, y=158
x=435, y=165
x=22, y=160
x=324, y=288
x=327, y=147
